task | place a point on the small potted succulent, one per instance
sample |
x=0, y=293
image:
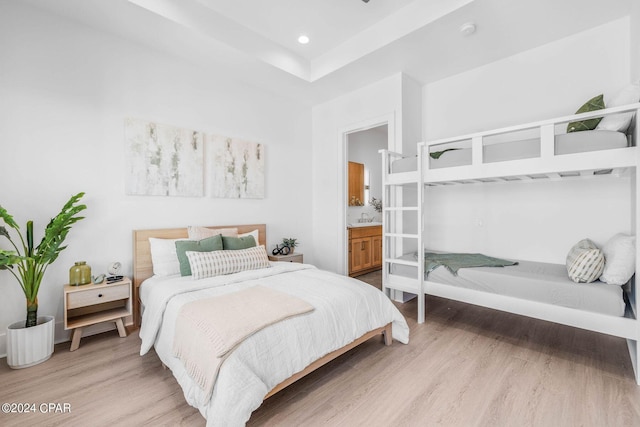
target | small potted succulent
x=290, y=242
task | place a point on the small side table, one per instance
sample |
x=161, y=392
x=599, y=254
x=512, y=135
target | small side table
x=287, y=258
x=87, y=305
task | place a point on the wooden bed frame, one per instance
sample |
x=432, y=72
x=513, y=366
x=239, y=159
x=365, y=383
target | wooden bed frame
x=143, y=269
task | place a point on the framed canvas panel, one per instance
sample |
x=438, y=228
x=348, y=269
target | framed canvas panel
x=163, y=160
x=237, y=168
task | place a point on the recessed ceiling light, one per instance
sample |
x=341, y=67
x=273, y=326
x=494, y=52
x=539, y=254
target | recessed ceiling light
x=303, y=39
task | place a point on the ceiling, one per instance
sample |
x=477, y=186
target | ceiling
x=353, y=43
x=329, y=23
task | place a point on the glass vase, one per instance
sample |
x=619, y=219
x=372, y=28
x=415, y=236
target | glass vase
x=80, y=274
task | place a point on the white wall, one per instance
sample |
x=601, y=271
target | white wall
x=412, y=115
x=381, y=100
x=634, y=51
x=385, y=100
x=545, y=82
x=64, y=92
x=535, y=221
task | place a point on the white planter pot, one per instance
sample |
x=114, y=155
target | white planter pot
x=30, y=346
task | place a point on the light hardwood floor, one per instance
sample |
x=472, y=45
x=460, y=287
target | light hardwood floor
x=466, y=366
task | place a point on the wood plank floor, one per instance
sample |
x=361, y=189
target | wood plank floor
x=466, y=366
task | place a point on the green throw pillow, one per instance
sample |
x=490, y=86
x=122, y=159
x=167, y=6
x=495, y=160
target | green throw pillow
x=210, y=244
x=595, y=103
x=236, y=243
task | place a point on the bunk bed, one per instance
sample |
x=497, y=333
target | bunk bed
x=533, y=151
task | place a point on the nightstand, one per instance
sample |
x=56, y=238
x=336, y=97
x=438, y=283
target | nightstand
x=87, y=305
x=287, y=258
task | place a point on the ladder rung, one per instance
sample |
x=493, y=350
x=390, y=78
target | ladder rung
x=407, y=236
x=401, y=261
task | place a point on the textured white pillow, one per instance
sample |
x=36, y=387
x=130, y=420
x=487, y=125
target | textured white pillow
x=585, y=262
x=620, y=122
x=199, y=233
x=217, y=263
x=164, y=257
x=620, y=259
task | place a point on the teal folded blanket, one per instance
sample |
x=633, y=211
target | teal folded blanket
x=454, y=262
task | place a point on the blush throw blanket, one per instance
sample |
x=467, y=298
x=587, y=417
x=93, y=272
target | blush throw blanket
x=208, y=330
x=455, y=261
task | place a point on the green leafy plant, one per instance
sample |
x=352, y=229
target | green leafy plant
x=376, y=203
x=28, y=263
x=290, y=242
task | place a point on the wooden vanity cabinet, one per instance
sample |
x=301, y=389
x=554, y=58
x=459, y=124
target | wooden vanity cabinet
x=365, y=249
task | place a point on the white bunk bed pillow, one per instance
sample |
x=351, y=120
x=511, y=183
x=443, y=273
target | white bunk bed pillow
x=620, y=122
x=620, y=259
x=585, y=262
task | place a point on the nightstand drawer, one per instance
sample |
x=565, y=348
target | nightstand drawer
x=97, y=296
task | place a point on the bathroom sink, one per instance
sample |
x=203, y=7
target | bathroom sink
x=363, y=224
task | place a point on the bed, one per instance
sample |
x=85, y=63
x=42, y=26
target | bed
x=346, y=313
x=532, y=151
x=526, y=145
x=532, y=281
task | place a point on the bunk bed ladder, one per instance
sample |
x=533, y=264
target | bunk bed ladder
x=394, y=230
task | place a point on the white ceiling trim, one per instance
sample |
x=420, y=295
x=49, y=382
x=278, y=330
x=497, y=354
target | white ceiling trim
x=395, y=26
x=197, y=17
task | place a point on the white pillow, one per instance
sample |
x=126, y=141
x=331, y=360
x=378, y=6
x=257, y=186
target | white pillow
x=164, y=257
x=217, y=263
x=620, y=122
x=199, y=233
x=620, y=259
x=255, y=233
x=585, y=262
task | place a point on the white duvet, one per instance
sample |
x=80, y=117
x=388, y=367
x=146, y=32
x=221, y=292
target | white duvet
x=345, y=309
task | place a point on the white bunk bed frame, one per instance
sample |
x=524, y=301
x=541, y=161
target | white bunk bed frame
x=621, y=161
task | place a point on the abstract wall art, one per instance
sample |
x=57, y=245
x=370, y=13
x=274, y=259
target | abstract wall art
x=163, y=160
x=237, y=168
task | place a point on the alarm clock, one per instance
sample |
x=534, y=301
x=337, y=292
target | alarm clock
x=114, y=268
x=114, y=271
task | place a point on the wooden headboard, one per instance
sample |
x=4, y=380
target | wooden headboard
x=142, y=266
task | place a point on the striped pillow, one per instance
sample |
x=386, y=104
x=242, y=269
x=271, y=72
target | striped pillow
x=216, y=263
x=585, y=262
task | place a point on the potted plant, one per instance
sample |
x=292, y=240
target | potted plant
x=290, y=242
x=28, y=264
x=376, y=203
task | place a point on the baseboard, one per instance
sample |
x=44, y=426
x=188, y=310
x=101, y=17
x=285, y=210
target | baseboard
x=61, y=335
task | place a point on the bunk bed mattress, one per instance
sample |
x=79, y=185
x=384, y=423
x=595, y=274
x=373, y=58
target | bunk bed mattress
x=534, y=281
x=569, y=143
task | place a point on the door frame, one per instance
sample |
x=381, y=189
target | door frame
x=343, y=134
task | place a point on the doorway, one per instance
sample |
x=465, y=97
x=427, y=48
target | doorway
x=362, y=149
x=364, y=198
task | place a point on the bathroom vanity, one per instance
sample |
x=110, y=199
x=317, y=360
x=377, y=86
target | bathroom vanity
x=365, y=248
